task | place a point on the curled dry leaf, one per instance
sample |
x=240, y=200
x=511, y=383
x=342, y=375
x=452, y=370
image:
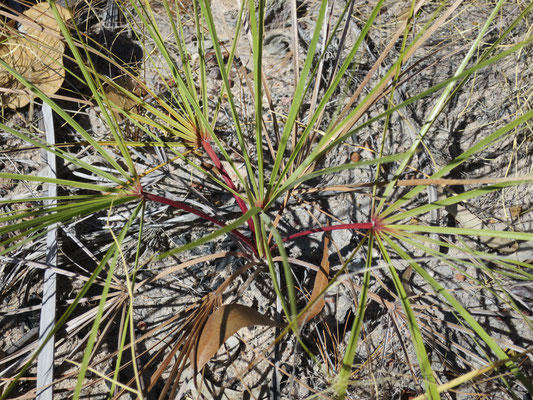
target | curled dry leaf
x=228, y=319
x=321, y=281
x=118, y=99
x=222, y=324
x=36, y=53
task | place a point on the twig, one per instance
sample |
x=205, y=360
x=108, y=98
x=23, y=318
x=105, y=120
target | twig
x=45, y=363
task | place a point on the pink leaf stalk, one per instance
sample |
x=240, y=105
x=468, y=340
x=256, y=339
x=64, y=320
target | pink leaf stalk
x=376, y=225
x=214, y=158
x=189, y=209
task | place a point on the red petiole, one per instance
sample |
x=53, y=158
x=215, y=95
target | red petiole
x=214, y=158
x=182, y=206
x=376, y=224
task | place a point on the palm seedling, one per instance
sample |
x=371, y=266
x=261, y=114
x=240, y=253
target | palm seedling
x=199, y=169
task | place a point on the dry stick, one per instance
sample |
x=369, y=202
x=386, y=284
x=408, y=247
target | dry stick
x=51, y=96
x=267, y=92
x=342, y=42
x=415, y=182
x=44, y=266
x=186, y=264
x=45, y=363
x=320, y=74
x=336, y=63
x=277, y=354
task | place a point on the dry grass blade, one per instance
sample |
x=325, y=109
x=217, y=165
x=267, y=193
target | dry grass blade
x=414, y=182
x=473, y=374
x=189, y=339
x=382, y=89
x=441, y=344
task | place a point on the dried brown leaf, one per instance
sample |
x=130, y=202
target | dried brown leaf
x=321, y=281
x=118, y=98
x=222, y=324
x=37, y=55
